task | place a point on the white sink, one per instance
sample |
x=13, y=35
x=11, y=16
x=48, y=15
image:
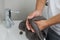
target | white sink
x=11, y=33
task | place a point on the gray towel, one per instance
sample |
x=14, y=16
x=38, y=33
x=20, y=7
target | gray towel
x=38, y=35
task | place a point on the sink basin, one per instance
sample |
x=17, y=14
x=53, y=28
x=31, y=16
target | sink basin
x=11, y=33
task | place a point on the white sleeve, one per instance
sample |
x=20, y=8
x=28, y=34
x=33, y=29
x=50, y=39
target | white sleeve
x=57, y=3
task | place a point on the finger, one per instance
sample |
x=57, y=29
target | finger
x=31, y=16
x=30, y=27
x=27, y=25
x=32, y=30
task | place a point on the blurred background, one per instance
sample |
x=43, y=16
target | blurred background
x=23, y=6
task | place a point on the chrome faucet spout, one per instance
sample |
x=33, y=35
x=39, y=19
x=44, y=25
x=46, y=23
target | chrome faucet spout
x=8, y=18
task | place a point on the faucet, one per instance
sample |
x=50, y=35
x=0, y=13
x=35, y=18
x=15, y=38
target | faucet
x=8, y=19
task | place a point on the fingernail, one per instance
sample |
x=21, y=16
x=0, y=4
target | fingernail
x=33, y=31
x=28, y=28
x=30, y=17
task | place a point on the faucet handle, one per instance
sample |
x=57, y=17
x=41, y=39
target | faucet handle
x=15, y=11
x=12, y=10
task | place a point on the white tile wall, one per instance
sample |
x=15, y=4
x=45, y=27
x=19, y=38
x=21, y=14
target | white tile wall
x=24, y=6
x=1, y=8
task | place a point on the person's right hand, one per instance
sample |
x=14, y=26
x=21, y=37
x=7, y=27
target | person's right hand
x=30, y=16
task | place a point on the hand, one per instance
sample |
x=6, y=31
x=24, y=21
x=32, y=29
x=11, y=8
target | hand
x=30, y=16
x=42, y=24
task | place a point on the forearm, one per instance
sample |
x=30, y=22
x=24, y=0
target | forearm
x=40, y=5
x=54, y=20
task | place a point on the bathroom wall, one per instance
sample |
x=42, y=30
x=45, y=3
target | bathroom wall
x=24, y=6
x=1, y=8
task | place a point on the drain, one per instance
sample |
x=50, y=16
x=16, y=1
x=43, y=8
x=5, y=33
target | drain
x=21, y=32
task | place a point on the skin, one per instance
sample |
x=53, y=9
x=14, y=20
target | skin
x=46, y=23
x=38, y=12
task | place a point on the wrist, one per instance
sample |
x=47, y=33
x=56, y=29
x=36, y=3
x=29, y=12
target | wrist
x=49, y=23
x=38, y=12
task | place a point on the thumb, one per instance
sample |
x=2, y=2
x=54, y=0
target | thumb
x=31, y=16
